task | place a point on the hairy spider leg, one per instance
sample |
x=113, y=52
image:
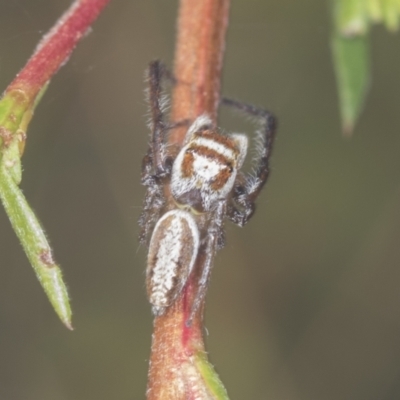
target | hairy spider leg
x=246, y=190
x=154, y=199
x=158, y=127
x=155, y=165
x=214, y=234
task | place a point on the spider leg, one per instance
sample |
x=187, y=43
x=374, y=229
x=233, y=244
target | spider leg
x=156, y=166
x=214, y=238
x=154, y=199
x=153, y=203
x=240, y=207
x=157, y=71
x=159, y=128
x=248, y=188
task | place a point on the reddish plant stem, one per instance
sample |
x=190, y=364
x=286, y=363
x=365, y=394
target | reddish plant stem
x=54, y=49
x=198, y=62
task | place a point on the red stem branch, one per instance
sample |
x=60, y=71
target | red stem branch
x=198, y=60
x=54, y=49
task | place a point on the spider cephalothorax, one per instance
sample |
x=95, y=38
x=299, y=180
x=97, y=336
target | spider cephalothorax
x=205, y=169
x=206, y=184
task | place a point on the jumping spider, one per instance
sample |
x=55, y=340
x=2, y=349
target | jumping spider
x=206, y=184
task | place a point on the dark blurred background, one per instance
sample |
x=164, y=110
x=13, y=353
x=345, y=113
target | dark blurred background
x=304, y=301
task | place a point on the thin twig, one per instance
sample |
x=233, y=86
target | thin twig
x=16, y=110
x=178, y=349
x=55, y=48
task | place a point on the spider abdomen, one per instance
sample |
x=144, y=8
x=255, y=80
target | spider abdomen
x=172, y=253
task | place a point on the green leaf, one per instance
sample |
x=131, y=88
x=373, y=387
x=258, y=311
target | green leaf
x=390, y=11
x=210, y=377
x=16, y=111
x=351, y=60
x=351, y=17
x=374, y=8
x=35, y=244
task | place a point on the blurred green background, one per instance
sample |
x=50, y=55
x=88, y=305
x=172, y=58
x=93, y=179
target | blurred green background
x=304, y=302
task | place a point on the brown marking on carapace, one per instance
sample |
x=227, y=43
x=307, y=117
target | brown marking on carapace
x=218, y=138
x=221, y=179
x=47, y=258
x=187, y=164
x=211, y=154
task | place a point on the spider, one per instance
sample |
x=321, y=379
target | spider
x=206, y=184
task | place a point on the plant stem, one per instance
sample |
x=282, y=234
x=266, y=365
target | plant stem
x=179, y=369
x=57, y=45
x=198, y=60
x=16, y=110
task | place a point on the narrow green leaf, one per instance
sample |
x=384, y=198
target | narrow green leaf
x=34, y=242
x=351, y=60
x=390, y=11
x=374, y=8
x=210, y=377
x=351, y=17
